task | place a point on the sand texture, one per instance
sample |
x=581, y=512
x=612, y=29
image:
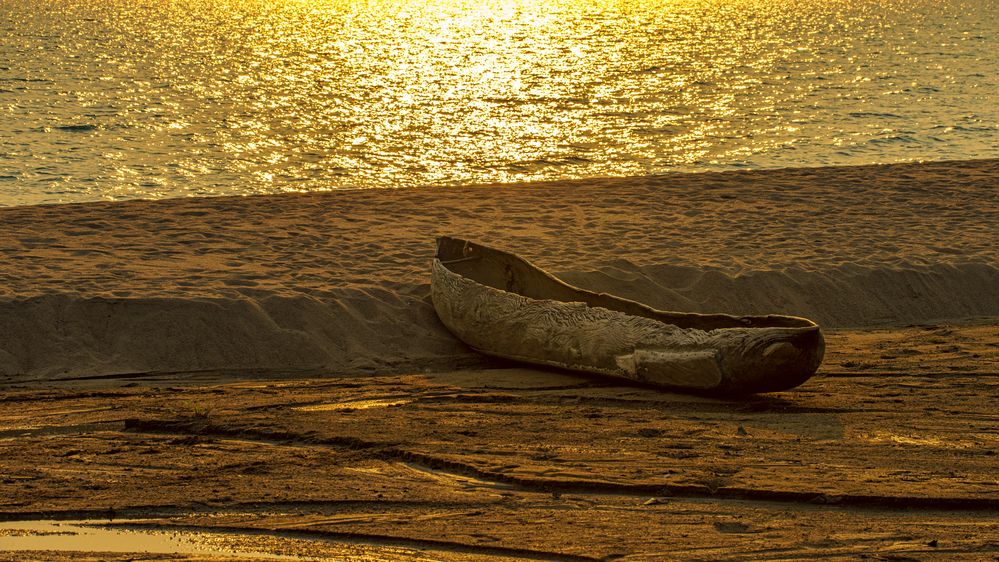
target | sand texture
x=267, y=375
x=891, y=454
x=338, y=282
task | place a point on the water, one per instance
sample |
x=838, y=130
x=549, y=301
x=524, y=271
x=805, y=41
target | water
x=160, y=98
x=92, y=536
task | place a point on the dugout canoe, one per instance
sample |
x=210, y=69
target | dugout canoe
x=502, y=305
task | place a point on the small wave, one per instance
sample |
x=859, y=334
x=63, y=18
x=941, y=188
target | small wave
x=77, y=128
x=895, y=139
x=865, y=114
x=527, y=165
x=651, y=70
x=651, y=131
x=967, y=128
x=21, y=79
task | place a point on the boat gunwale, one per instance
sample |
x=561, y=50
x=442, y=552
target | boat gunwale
x=795, y=324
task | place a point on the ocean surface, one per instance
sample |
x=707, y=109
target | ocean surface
x=115, y=99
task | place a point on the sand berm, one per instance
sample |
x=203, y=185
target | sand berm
x=338, y=282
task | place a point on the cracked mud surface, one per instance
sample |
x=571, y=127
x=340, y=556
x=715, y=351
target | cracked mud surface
x=891, y=453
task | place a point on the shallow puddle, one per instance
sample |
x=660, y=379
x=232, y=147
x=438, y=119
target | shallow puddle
x=353, y=405
x=94, y=536
x=942, y=442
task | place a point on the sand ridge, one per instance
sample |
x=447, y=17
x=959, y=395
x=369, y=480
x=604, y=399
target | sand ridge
x=334, y=281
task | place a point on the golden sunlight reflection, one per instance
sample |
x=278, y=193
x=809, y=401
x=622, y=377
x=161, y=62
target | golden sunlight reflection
x=245, y=96
x=506, y=80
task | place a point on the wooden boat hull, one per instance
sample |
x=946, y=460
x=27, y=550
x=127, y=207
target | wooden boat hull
x=501, y=305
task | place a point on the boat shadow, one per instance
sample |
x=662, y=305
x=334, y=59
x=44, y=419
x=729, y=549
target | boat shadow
x=770, y=403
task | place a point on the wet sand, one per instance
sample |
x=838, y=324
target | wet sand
x=268, y=369
x=890, y=458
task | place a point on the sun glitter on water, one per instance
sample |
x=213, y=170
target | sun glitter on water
x=188, y=97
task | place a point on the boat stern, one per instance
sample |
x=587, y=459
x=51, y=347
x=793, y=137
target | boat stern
x=770, y=360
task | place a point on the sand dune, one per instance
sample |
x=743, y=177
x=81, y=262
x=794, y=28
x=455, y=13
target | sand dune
x=337, y=282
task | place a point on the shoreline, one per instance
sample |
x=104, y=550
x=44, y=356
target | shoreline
x=980, y=164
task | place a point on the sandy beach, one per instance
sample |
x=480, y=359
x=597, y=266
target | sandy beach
x=337, y=282
x=271, y=368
